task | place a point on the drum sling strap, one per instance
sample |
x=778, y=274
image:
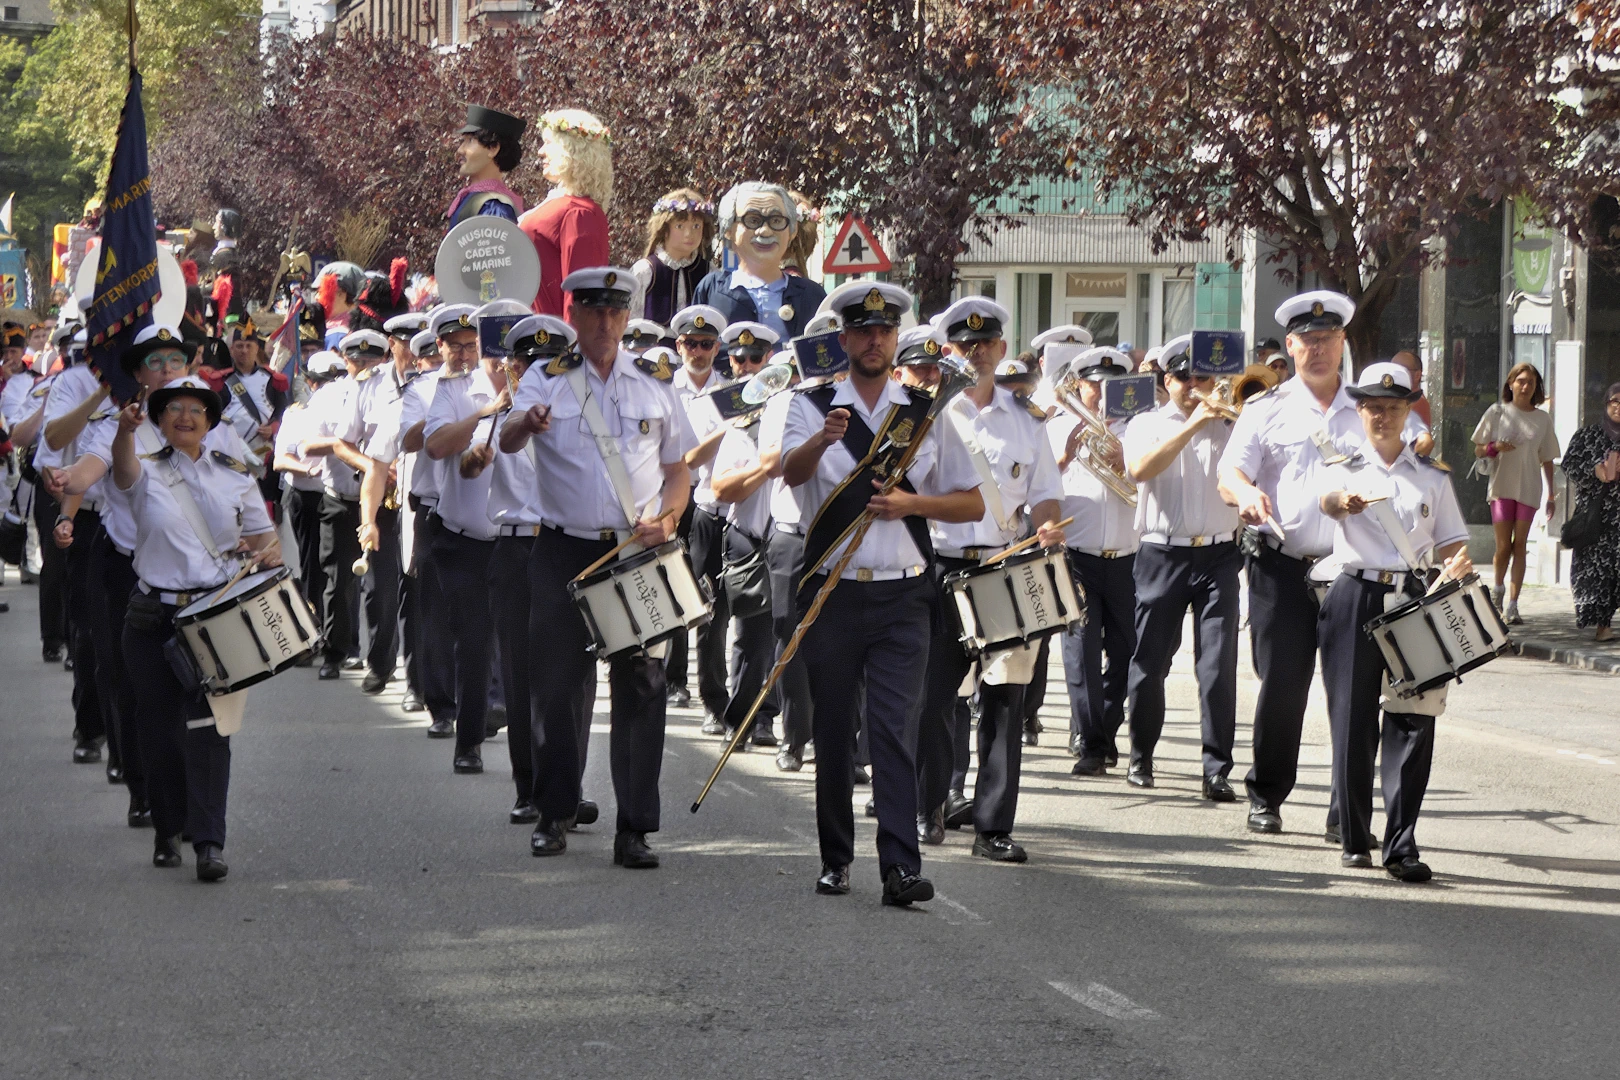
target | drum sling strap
x=239, y=391
x=981, y=465
x=876, y=454
x=606, y=445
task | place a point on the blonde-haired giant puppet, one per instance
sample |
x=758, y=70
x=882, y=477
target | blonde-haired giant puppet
x=570, y=228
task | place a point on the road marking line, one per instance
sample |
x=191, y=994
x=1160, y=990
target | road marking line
x=800, y=834
x=971, y=916
x=738, y=787
x=1100, y=998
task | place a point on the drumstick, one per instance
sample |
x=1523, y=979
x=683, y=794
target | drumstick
x=1024, y=543
x=599, y=563
x=1282, y=537
x=247, y=568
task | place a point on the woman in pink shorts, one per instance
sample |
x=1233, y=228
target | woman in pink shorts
x=1517, y=441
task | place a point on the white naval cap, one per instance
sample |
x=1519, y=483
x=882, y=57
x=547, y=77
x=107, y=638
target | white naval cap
x=1015, y=372
x=1322, y=309
x=1176, y=355
x=64, y=332
x=922, y=344
x=697, y=320
x=449, y=318
x=1384, y=380
x=505, y=306
x=643, y=333
x=749, y=337
x=540, y=335
x=1067, y=334
x=600, y=286
x=424, y=344
x=363, y=343
x=1100, y=363
x=824, y=322
x=325, y=362
x=406, y=326
x=185, y=386
x=973, y=318
x=868, y=303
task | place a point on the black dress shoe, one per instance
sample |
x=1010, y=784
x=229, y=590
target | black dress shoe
x=680, y=697
x=762, y=734
x=958, y=810
x=307, y=661
x=52, y=654
x=87, y=752
x=412, y=702
x=931, y=826
x=630, y=851
x=165, y=853
x=834, y=881
x=871, y=808
x=551, y=838
x=470, y=762
x=441, y=729
x=1331, y=835
x=998, y=847
x=140, y=815
x=1409, y=868
x=494, y=720
x=67, y=662
x=712, y=725
x=789, y=760
x=523, y=812
x=373, y=683
x=862, y=777
x=1217, y=789
x=1111, y=756
x=902, y=887
x=1355, y=860
x=115, y=773
x=328, y=670
x=353, y=663
x=1089, y=765
x=1032, y=731
x=587, y=813
x=1140, y=774
x=1263, y=819
x=210, y=867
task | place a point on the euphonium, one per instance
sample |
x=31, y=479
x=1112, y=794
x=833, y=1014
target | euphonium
x=1098, y=443
x=1231, y=392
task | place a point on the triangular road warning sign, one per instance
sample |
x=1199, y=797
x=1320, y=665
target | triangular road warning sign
x=855, y=251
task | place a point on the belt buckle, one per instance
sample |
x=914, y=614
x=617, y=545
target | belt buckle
x=607, y=535
x=863, y=574
x=1110, y=553
x=1198, y=541
x=1386, y=577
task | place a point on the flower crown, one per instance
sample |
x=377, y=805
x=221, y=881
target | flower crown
x=569, y=127
x=683, y=206
x=810, y=214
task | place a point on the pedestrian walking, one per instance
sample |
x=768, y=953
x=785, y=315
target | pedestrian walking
x=1516, y=448
x=1593, y=466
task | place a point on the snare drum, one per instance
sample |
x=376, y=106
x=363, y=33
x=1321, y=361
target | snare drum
x=1015, y=601
x=640, y=601
x=262, y=625
x=1442, y=636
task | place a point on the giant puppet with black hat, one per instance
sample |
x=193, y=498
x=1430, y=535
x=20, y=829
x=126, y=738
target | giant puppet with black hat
x=490, y=146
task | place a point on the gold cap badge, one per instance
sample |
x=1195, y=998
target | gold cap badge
x=699, y=322
x=164, y=335
x=1316, y=308
x=975, y=321
x=931, y=347
x=542, y=337
x=465, y=320
x=745, y=338
x=1389, y=381
x=609, y=278
x=874, y=301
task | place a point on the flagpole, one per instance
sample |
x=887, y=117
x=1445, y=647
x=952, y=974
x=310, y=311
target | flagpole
x=130, y=25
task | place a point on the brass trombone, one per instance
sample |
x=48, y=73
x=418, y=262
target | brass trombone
x=1231, y=392
x=1097, y=444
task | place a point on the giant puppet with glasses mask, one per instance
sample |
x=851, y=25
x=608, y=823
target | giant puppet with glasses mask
x=759, y=222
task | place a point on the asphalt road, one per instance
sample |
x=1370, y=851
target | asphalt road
x=382, y=919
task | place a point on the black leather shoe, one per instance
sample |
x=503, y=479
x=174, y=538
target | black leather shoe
x=165, y=853
x=998, y=847
x=630, y=851
x=140, y=815
x=931, y=826
x=789, y=760
x=712, y=725
x=1263, y=819
x=587, y=813
x=680, y=697
x=1111, y=756
x=353, y=663
x=1032, y=731
x=1217, y=789
x=958, y=810
x=862, y=777
x=412, y=702
x=494, y=720
x=1355, y=860
x=67, y=662
x=762, y=734
x=523, y=812
x=1089, y=765
x=1140, y=774
x=441, y=729
x=307, y=661
x=1331, y=835
x=1077, y=745
x=373, y=683
x=902, y=887
x=470, y=762
x=115, y=773
x=328, y=670
x=87, y=752
x=52, y=654
x=871, y=808
x=834, y=881
x=210, y=867
x=551, y=838
x=1410, y=869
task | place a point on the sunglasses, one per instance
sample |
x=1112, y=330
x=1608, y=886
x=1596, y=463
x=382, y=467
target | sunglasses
x=698, y=344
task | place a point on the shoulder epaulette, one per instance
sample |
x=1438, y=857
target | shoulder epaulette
x=1034, y=410
x=222, y=458
x=562, y=365
x=1433, y=463
x=364, y=375
x=158, y=455
x=658, y=369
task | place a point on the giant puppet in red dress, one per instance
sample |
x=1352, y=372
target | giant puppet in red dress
x=570, y=228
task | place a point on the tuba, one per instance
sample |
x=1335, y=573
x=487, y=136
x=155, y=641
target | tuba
x=1097, y=444
x=1230, y=393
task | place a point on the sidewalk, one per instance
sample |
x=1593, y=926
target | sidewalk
x=1549, y=632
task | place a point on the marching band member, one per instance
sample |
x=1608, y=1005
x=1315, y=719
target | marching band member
x=1045, y=395
x=642, y=334
x=171, y=493
x=697, y=330
x=1102, y=553
x=1271, y=471
x=1015, y=468
x=255, y=399
x=1393, y=509
x=876, y=621
x=421, y=478
x=24, y=402
x=301, y=501
x=572, y=408
x=1188, y=558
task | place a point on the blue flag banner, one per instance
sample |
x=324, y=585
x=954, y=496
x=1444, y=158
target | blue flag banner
x=819, y=355
x=1127, y=395
x=1219, y=352
x=127, y=272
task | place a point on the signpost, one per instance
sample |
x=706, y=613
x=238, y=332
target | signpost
x=855, y=251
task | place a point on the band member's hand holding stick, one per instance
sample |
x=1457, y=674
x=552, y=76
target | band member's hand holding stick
x=646, y=533
x=1049, y=534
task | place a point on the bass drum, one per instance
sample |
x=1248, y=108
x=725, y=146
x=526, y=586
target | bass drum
x=260, y=627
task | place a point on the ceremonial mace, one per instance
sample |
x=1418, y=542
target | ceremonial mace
x=953, y=380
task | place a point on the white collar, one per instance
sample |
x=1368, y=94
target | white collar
x=674, y=264
x=893, y=394
x=741, y=277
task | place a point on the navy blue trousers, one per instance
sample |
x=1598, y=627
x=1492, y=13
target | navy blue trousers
x=1282, y=640
x=89, y=718
x=784, y=557
x=509, y=607
x=1097, y=698
x=113, y=577
x=462, y=566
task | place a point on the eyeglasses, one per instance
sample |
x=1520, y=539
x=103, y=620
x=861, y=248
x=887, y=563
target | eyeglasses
x=698, y=344
x=164, y=361
x=178, y=408
x=463, y=348
x=1612, y=402
x=775, y=219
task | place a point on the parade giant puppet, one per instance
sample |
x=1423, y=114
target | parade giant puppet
x=570, y=228
x=680, y=245
x=490, y=146
x=759, y=222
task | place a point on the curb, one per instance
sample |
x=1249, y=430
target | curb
x=1588, y=659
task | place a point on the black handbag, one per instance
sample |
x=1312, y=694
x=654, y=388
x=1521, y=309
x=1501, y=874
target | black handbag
x=1584, y=527
x=747, y=583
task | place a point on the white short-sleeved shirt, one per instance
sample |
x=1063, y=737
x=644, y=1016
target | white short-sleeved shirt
x=375, y=411
x=941, y=466
x=329, y=416
x=1102, y=520
x=1517, y=474
x=17, y=400
x=419, y=474
x=256, y=385
x=643, y=416
x=1274, y=444
x=1183, y=500
x=686, y=389
x=117, y=517
x=705, y=421
x=1421, y=497
x=514, y=486
x=290, y=436
x=66, y=392
x=784, y=500
x=738, y=451
x=1020, y=459
x=169, y=556
x=463, y=503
